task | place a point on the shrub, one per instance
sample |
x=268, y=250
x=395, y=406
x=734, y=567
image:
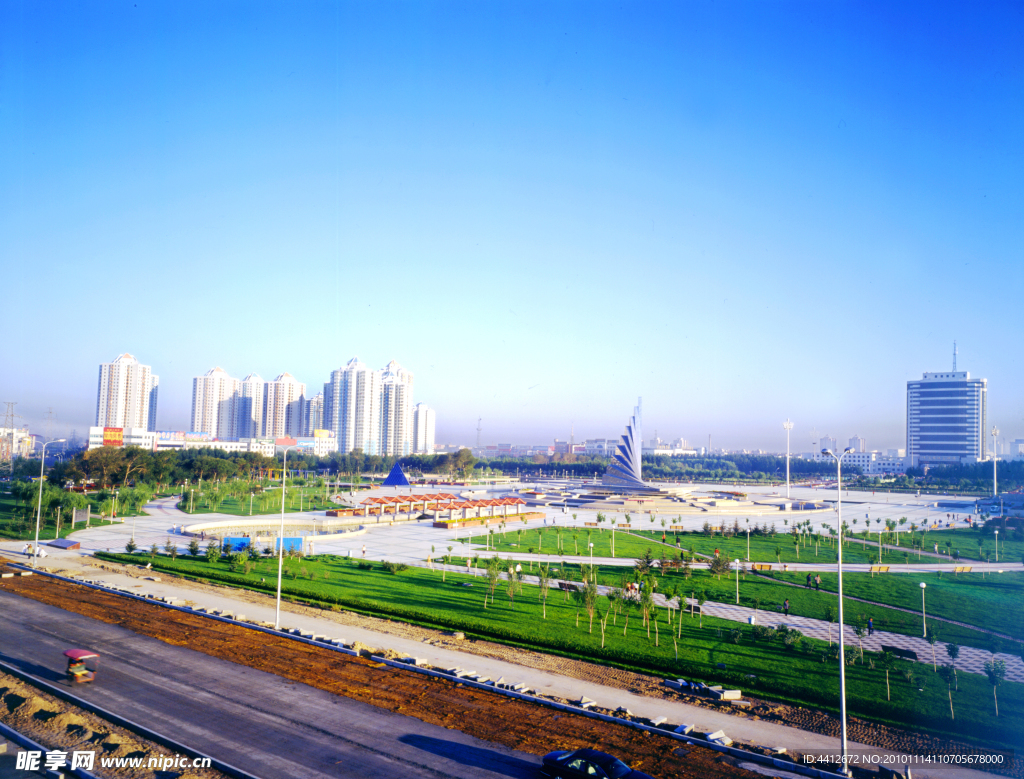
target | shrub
x=761, y=633
x=392, y=568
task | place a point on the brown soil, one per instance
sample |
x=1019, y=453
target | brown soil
x=811, y=720
x=486, y=715
x=57, y=724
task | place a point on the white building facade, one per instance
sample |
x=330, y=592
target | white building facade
x=215, y=404
x=946, y=417
x=284, y=407
x=126, y=395
x=352, y=407
x=423, y=421
x=396, y=411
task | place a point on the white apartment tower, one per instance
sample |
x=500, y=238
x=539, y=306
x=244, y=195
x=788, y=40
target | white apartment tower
x=314, y=414
x=423, y=429
x=284, y=407
x=126, y=395
x=396, y=417
x=215, y=403
x=352, y=407
x=251, y=398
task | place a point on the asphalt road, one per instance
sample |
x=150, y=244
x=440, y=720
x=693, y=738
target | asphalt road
x=256, y=721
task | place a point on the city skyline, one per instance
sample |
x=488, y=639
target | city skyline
x=740, y=213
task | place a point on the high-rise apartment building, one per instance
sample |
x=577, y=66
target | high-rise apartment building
x=284, y=407
x=396, y=417
x=126, y=395
x=314, y=414
x=423, y=429
x=252, y=394
x=946, y=415
x=352, y=407
x=215, y=404
x=858, y=444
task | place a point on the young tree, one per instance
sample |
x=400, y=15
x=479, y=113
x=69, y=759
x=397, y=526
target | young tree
x=995, y=670
x=130, y=547
x=830, y=616
x=493, y=570
x=702, y=598
x=590, y=599
x=953, y=650
x=948, y=674
x=511, y=583
x=544, y=583
x=888, y=661
x=154, y=550
x=212, y=551
x=193, y=547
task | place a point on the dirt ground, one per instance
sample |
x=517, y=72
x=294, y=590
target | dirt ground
x=489, y=716
x=59, y=725
x=812, y=720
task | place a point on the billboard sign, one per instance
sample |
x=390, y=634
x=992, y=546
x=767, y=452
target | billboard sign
x=113, y=436
x=323, y=434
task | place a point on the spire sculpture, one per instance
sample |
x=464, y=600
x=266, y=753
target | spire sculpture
x=624, y=470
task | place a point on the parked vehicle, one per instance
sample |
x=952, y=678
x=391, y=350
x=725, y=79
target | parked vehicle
x=587, y=763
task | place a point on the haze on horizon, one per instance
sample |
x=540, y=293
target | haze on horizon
x=741, y=212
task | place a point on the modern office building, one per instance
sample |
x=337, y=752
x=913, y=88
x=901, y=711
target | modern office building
x=284, y=407
x=423, y=429
x=126, y=395
x=946, y=419
x=352, y=407
x=215, y=404
x=396, y=415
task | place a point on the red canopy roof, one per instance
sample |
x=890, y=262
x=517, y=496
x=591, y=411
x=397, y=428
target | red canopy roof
x=79, y=654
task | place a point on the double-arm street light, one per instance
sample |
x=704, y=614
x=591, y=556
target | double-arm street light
x=839, y=568
x=788, y=426
x=924, y=623
x=280, y=540
x=39, y=508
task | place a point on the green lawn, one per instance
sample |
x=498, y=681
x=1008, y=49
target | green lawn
x=18, y=522
x=804, y=602
x=797, y=675
x=991, y=601
x=312, y=499
x=630, y=544
x=966, y=540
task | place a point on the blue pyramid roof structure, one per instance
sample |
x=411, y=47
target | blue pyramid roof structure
x=624, y=470
x=396, y=478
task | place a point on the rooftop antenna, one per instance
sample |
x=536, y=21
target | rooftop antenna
x=954, y=356
x=479, y=430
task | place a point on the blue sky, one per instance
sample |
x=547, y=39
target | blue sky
x=741, y=211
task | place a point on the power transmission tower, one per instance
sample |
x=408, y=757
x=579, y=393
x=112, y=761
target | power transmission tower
x=7, y=441
x=48, y=423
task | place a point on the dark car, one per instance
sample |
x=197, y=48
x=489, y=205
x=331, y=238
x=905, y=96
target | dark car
x=587, y=763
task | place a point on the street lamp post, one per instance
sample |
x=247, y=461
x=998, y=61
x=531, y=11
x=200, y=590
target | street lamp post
x=39, y=508
x=995, y=459
x=592, y=559
x=924, y=625
x=737, y=564
x=839, y=569
x=280, y=542
x=997, y=546
x=788, y=426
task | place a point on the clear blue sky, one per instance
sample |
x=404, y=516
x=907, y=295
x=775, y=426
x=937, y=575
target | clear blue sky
x=741, y=211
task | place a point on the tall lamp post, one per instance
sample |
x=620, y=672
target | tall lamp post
x=737, y=564
x=924, y=624
x=995, y=459
x=788, y=426
x=839, y=568
x=39, y=508
x=280, y=541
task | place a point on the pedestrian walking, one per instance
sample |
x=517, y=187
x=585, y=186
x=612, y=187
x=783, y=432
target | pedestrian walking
x=817, y=582
x=871, y=625
x=936, y=549
x=808, y=581
x=785, y=607
x=364, y=551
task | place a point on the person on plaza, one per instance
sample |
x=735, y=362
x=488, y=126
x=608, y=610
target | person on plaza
x=364, y=550
x=817, y=581
x=936, y=549
x=24, y=549
x=785, y=607
x=808, y=580
x=871, y=625
x=716, y=553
